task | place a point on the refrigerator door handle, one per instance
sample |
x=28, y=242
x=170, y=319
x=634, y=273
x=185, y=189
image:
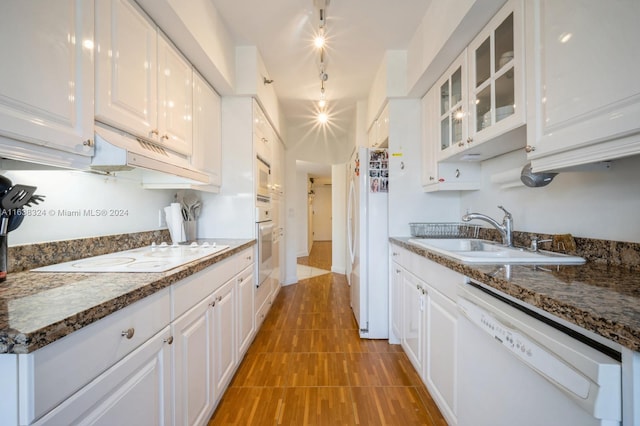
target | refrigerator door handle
x=350, y=221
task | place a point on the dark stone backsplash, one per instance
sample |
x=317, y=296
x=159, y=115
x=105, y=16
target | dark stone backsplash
x=30, y=256
x=615, y=253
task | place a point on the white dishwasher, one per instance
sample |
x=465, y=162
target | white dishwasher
x=514, y=369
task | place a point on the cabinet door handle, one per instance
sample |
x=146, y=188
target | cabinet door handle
x=469, y=140
x=165, y=136
x=241, y=279
x=529, y=148
x=128, y=333
x=155, y=132
x=213, y=304
x=88, y=143
x=168, y=340
x=432, y=178
x=219, y=299
x=461, y=144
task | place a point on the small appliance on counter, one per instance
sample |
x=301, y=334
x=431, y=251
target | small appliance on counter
x=13, y=199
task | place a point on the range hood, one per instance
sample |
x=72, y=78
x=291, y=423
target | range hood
x=116, y=150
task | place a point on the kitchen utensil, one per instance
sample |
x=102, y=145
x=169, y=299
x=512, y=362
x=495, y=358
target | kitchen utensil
x=535, y=180
x=17, y=196
x=189, y=200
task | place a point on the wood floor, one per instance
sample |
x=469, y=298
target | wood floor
x=308, y=366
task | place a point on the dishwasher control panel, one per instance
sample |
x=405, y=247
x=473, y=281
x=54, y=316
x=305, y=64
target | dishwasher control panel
x=528, y=351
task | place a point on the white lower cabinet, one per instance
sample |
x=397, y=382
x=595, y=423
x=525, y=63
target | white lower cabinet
x=224, y=326
x=245, y=317
x=424, y=319
x=441, y=351
x=164, y=360
x=135, y=391
x=193, y=360
x=413, y=307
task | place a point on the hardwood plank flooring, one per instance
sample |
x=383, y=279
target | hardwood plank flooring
x=308, y=366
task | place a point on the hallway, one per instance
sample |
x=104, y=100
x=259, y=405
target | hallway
x=308, y=366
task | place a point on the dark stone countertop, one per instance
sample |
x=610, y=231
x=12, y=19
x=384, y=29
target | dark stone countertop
x=599, y=298
x=38, y=308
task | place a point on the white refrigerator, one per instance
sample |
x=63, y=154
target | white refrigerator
x=368, y=240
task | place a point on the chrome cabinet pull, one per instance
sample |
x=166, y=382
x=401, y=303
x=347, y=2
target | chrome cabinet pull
x=128, y=333
x=529, y=148
x=88, y=143
x=168, y=340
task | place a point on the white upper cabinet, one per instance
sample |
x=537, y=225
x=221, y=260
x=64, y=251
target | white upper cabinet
x=46, y=95
x=482, y=93
x=143, y=84
x=451, y=109
x=207, y=145
x=126, y=68
x=496, y=83
x=175, y=98
x=443, y=131
x=378, y=136
x=583, y=98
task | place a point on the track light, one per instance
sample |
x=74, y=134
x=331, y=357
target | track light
x=319, y=41
x=323, y=117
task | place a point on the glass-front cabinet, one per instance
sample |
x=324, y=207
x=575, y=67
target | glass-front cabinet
x=452, y=108
x=481, y=95
x=496, y=83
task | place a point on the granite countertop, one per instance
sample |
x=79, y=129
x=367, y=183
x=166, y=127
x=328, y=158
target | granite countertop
x=38, y=308
x=599, y=298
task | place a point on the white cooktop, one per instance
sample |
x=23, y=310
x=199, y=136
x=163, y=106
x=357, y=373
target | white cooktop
x=154, y=258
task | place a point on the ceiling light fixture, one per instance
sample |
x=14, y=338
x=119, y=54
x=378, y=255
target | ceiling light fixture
x=320, y=43
x=323, y=117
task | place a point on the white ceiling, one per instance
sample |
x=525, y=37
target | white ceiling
x=358, y=33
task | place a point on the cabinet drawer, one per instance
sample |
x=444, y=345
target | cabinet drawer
x=245, y=258
x=50, y=375
x=188, y=292
x=441, y=278
x=398, y=254
x=114, y=397
x=262, y=312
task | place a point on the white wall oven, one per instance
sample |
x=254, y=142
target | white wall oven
x=263, y=177
x=264, y=230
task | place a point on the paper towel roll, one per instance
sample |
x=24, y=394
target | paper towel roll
x=173, y=215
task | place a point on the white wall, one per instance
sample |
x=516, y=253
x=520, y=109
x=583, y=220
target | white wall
x=407, y=202
x=339, y=208
x=80, y=205
x=301, y=224
x=322, y=212
x=231, y=213
x=601, y=205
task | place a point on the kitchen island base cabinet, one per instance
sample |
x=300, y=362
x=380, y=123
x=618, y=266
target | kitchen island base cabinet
x=135, y=391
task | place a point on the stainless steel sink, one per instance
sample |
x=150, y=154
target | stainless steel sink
x=474, y=251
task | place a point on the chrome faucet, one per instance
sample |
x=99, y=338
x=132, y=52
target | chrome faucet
x=505, y=229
